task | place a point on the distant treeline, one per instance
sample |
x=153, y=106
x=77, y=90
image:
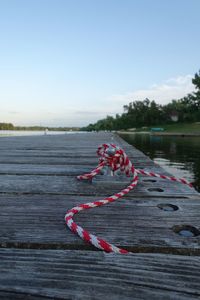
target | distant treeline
x=6, y=126
x=10, y=126
x=149, y=113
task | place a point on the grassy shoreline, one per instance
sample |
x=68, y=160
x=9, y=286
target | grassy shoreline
x=179, y=129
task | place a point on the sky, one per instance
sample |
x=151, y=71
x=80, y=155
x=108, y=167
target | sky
x=73, y=62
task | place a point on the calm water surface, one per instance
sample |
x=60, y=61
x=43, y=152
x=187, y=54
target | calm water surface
x=178, y=155
x=29, y=132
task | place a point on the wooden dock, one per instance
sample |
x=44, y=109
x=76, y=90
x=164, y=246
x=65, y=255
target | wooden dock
x=41, y=259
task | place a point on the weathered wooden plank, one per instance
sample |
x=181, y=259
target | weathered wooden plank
x=135, y=223
x=75, y=160
x=70, y=156
x=26, y=274
x=39, y=169
x=146, y=185
x=33, y=169
x=103, y=185
x=85, y=144
x=62, y=169
x=68, y=152
x=58, y=141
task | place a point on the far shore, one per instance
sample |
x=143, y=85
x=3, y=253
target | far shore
x=177, y=129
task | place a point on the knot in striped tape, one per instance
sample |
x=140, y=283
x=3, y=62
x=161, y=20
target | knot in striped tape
x=116, y=158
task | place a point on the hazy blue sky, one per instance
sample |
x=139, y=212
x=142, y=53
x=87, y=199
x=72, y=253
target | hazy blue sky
x=65, y=63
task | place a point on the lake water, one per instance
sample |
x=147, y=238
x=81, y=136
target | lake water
x=29, y=132
x=180, y=156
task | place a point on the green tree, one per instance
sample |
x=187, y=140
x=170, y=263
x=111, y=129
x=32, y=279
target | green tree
x=149, y=113
x=6, y=126
x=196, y=98
x=196, y=80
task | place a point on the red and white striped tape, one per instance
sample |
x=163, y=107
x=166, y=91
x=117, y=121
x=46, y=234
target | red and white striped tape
x=114, y=157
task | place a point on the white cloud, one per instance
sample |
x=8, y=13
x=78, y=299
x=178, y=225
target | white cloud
x=74, y=115
x=173, y=88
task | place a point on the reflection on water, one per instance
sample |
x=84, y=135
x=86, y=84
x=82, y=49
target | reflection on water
x=180, y=156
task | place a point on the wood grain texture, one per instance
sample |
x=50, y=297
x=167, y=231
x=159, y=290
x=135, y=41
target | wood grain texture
x=40, y=169
x=95, y=275
x=138, y=224
x=38, y=185
x=58, y=142
x=50, y=160
x=62, y=169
